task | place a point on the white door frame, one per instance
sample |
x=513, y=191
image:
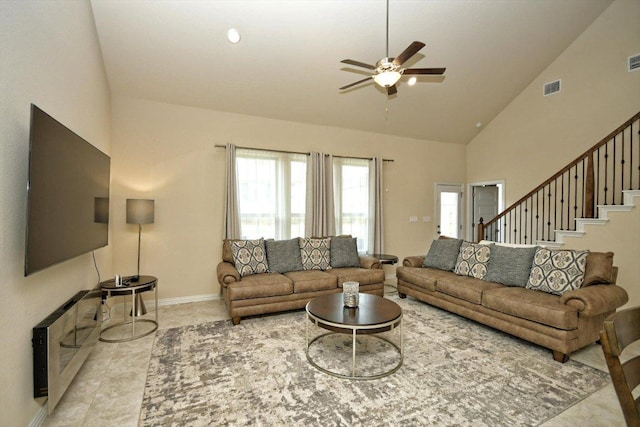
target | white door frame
x=436, y=207
x=501, y=203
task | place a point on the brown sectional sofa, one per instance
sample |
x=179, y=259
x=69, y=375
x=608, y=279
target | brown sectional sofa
x=562, y=323
x=275, y=292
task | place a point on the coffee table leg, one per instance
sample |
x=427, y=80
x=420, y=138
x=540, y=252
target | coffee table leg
x=353, y=361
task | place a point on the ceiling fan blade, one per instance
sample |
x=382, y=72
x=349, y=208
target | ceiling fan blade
x=437, y=71
x=392, y=90
x=358, y=64
x=356, y=83
x=408, y=53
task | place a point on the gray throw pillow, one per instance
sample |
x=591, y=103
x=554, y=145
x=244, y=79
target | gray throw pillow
x=283, y=255
x=510, y=266
x=443, y=254
x=344, y=252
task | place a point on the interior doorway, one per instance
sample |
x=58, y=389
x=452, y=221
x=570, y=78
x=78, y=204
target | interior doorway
x=449, y=210
x=486, y=201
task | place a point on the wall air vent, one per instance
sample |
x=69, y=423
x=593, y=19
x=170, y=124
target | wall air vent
x=634, y=62
x=551, y=88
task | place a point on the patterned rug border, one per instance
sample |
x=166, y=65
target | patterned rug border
x=173, y=383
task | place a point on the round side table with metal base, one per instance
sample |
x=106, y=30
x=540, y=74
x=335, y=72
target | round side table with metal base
x=132, y=290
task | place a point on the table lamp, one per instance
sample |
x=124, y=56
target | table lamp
x=139, y=211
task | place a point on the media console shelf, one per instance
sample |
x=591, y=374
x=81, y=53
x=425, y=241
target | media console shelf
x=62, y=342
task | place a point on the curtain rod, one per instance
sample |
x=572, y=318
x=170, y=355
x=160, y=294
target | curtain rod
x=299, y=152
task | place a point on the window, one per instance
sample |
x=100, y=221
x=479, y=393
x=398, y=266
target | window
x=271, y=194
x=351, y=199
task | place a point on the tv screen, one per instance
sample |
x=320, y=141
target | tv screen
x=67, y=194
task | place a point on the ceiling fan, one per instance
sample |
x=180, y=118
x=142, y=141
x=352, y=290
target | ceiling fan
x=388, y=71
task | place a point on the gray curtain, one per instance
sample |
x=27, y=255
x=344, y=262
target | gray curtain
x=320, y=215
x=231, y=212
x=376, y=227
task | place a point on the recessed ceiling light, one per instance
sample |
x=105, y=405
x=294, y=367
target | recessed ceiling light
x=479, y=125
x=412, y=81
x=233, y=36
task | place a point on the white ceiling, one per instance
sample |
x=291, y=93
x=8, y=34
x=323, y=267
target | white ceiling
x=287, y=65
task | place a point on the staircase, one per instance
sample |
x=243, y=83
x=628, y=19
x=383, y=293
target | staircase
x=631, y=199
x=604, y=179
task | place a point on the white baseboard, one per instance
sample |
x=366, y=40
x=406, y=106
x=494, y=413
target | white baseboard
x=40, y=416
x=184, y=300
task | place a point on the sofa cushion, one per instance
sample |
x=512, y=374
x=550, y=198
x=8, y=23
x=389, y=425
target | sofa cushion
x=249, y=256
x=557, y=271
x=425, y=278
x=311, y=281
x=442, y=254
x=466, y=288
x=260, y=285
x=315, y=253
x=473, y=260
x=283, y=255
x=344, y=252
x=540, y=307
x=599, y=268
x=509, y=266
x=364, y=276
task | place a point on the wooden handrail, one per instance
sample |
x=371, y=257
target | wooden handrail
x=589, y=153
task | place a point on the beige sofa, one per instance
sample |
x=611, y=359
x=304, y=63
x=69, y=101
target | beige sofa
x=562, y=323
x=269, y=292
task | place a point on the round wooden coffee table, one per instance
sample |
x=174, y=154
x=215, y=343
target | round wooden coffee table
x=373, y=315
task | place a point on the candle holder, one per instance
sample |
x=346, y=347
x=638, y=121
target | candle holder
x=350, y=294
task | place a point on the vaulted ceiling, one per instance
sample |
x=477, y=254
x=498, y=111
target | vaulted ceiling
x=287, y=64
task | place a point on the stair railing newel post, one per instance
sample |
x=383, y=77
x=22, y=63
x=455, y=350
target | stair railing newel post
x=589, y=189
x=480, y=235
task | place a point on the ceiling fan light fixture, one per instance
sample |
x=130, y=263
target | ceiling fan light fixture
x=387, y=78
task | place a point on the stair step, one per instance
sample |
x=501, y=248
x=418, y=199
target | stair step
x=603, y=210
x=581, y=222
x=561, y=234
x=628, y=196
x=549, y=244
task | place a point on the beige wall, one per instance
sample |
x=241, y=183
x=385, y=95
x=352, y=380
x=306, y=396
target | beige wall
x=536, y=136
x=49, y=57
x=166, y=152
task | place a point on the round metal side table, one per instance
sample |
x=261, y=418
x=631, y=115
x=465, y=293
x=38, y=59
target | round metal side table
x=133, y=290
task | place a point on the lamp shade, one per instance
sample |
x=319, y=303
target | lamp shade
x=140, y=211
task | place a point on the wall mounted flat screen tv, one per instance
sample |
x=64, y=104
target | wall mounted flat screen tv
x=67, y=194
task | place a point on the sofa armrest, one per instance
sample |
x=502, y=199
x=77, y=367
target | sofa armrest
x=596, y=299
x=369, y=262
x=227, y=273
x=413, y=261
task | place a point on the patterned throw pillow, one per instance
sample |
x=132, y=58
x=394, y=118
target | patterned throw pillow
x=249, y=256
x=315, y=253
x=557, y=271
x=472, y=260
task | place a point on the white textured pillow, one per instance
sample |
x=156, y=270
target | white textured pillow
x=472, y=260
x=557, y=271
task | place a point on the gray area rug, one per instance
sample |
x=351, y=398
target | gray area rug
x=455, y=372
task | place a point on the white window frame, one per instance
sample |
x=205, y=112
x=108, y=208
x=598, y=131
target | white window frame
x=281, y=217
x=363, y=236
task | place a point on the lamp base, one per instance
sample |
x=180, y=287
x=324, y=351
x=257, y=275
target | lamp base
x=138, y=308
x=134, y=279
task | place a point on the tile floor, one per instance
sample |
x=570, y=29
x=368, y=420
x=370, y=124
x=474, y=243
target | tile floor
x=108, y=389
